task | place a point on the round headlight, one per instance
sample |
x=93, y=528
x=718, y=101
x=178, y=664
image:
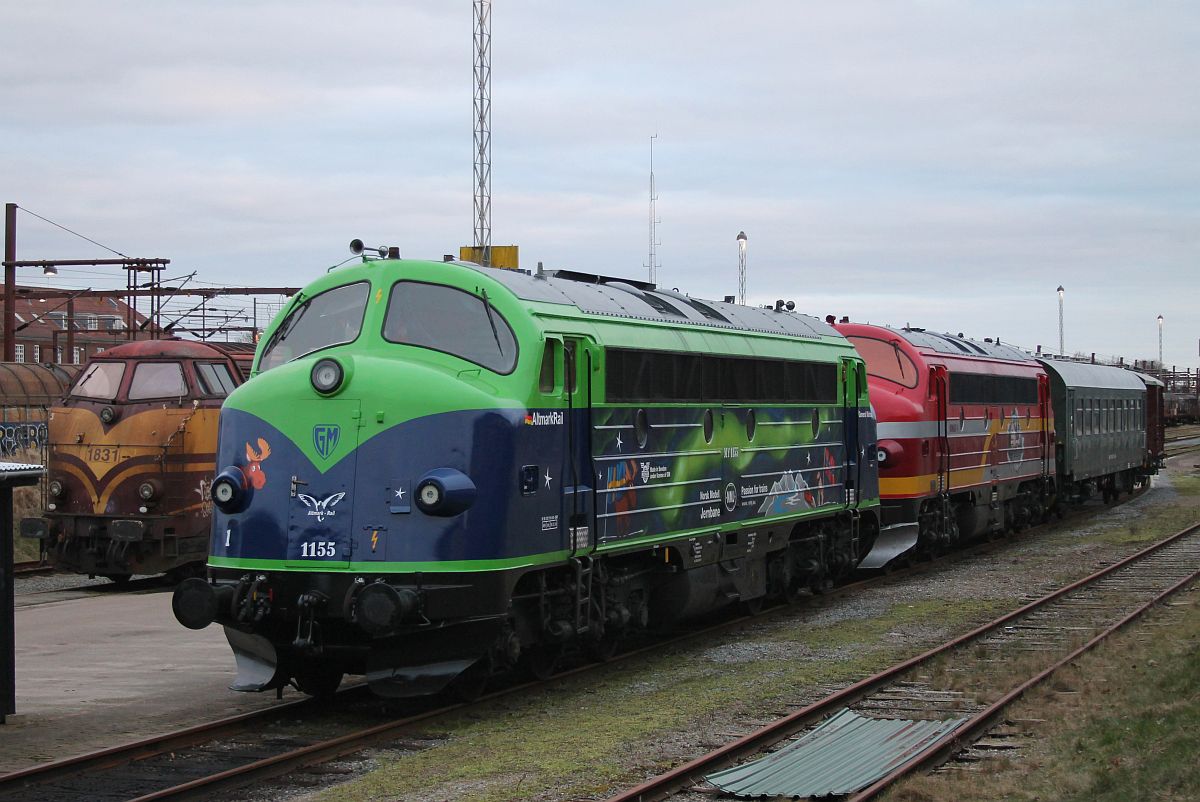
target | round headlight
x=326, y=376
x=147, y=491
x=108, y=414
x=445, y=492
x=230, y=491
x=429, y=494
x=223, y=491
x=56, y=487
x=889, y=453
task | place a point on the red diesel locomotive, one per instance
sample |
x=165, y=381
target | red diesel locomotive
x=966, y=437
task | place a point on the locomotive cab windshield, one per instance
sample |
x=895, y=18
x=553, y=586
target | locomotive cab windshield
x=333, y=317
x=100, y=382
x=452, y=321
x=105, y=381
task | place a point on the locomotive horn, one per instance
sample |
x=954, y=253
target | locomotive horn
x=357, y=247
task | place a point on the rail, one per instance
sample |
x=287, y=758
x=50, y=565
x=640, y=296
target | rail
x=693, y=772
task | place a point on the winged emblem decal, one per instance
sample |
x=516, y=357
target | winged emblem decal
x=323, y=508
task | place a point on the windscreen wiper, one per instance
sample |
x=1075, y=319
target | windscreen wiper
x=286, y=327
x=495, y=335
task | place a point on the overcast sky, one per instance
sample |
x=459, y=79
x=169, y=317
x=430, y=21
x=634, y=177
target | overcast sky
x=942, y=164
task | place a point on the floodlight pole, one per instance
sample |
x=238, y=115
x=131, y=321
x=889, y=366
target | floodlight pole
x=1160, y=356
x=1062, y=349
x=741, y=241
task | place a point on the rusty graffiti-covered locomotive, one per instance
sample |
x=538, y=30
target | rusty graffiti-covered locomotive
x=131, y=450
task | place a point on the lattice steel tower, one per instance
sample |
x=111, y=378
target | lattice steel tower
x=653, y=264
x=483, y=129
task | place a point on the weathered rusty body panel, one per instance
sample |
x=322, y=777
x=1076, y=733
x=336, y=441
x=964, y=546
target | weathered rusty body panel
x=133, y=475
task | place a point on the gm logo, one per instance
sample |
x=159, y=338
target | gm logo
x=325, y=438
x=731, y=496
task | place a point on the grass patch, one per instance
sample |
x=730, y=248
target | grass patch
x=577, y=738
x=510, y=753
x=587, y=736
x=946, y=613
x=1127, y=729
x=1187, y=484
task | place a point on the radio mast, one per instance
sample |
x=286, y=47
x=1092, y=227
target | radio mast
x=483, y=129
x=653, y=264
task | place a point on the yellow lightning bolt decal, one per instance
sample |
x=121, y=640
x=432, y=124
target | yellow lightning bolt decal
x=374, y=538
x=378, y=295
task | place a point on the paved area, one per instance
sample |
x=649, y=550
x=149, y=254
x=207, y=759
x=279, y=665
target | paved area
x=100, y=671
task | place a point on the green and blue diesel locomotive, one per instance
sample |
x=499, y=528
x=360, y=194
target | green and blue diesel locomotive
x=439, y=471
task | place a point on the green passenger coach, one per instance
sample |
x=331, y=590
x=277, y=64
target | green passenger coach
x=440, y=471
x=1100, y=412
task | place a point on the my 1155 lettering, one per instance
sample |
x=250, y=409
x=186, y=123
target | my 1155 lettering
x=321, y=548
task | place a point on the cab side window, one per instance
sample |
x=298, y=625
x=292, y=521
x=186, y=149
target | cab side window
x=546, y=382
x=215, y=378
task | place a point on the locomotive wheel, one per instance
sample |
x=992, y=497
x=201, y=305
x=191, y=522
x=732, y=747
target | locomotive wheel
x=318, y=679
x=541, y=660
x=604, y=649
x=752, y=606
x=821, y=586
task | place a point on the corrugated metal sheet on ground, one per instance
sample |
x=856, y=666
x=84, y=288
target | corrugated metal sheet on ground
x=846, y=753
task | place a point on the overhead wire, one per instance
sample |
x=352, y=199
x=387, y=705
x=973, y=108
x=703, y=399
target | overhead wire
x=76, y=233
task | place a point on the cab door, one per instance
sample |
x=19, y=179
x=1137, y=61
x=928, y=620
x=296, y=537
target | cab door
x=1044, y=428
x=861, y=439
x=578, y=498
x=321, y=503
x=939, y=391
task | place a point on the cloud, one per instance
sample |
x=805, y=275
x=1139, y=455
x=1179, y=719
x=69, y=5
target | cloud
x=945, y=164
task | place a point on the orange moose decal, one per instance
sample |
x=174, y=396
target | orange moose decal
x=254, y=471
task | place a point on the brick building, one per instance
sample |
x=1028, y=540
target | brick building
x=43, y=334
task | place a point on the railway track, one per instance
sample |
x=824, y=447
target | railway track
x=253, y=747
x=30, y=567
x=1182, y=446
x=201, y=760
x=997, y=663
